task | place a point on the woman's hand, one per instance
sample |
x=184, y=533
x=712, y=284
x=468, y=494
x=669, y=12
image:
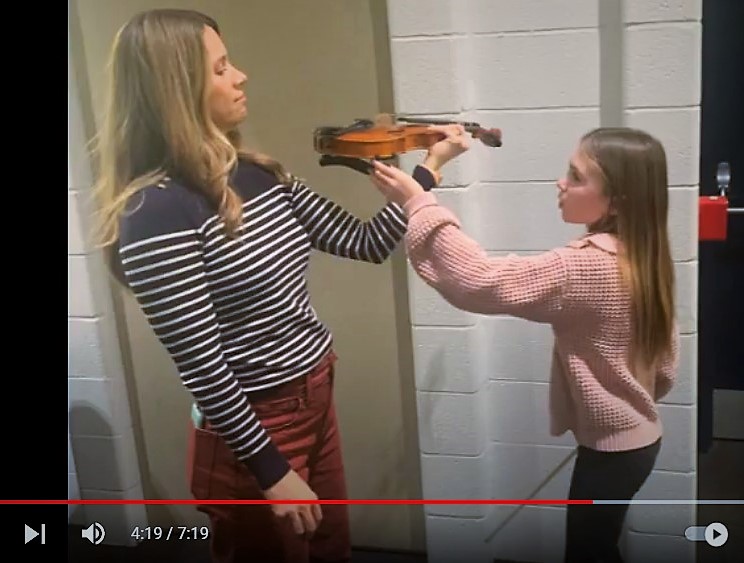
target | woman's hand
x=305, y=518
x=454, y=144
x=396, y=185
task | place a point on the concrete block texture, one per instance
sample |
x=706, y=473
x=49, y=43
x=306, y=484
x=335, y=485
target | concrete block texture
x=443, y=17
x=455, y=477
x=106, y=462
x=88, y=290
x=517, y=350
x=518, y=414
x=521, y=217
x=521, y=471
x=662, y=65
x=686, y=295
x=452, y=424
x=683, y=223
x=684, y=391
x=487, y=16
x=678, y=129
x=450, y=359
x=428, y=308
x=643, y=11
x=79, y=174
x=679, y=441
x=423, y=87
x=79, y=222
x=538, y=144
x=98, y=407
x=536, y=70
x=93, y=350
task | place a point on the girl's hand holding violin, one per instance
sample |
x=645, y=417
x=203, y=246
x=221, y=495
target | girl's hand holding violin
x=396, y=185
x=399, y=187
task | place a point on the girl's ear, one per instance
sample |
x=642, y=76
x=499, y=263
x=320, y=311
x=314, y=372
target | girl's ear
x=612, y=210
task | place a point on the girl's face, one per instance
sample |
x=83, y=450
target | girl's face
x=581, y=194
x=225, y=96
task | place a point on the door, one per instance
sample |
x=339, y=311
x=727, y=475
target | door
x=721, y=284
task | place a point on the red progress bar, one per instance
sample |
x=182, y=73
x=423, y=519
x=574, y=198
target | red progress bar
x=350, y=502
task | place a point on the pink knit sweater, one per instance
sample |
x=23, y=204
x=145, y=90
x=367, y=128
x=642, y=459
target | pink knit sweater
x=577, y=289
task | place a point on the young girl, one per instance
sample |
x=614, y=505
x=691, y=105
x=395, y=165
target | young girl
x=608, y=297
x=214, y=242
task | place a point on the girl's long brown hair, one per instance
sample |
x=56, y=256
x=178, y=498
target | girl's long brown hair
x=633, y=167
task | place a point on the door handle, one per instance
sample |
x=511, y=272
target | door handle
x=723, y=179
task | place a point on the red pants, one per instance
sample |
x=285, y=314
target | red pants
x=301, y=420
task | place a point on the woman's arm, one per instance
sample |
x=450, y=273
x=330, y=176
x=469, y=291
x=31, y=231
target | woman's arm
x=334, y=230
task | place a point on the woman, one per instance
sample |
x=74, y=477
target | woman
x=214, y=241
x=609, y=297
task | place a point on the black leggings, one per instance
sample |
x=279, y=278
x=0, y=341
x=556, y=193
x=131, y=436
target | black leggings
x=593, y=531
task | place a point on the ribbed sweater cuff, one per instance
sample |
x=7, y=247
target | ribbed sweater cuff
x=424, y=177
x=268, y=465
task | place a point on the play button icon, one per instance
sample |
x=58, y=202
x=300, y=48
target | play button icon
x=716, y=534
x=30, y=533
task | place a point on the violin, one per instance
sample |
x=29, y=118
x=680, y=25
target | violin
x=386, y=137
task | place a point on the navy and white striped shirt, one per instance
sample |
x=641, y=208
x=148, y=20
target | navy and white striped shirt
x=234, y=313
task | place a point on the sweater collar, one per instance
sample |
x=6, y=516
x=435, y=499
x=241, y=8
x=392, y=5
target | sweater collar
x=603, y=241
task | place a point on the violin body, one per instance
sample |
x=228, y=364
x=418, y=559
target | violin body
x=379, y=142
x=385, y=138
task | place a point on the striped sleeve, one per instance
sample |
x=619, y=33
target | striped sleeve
x=336, y=231
x=167, y=276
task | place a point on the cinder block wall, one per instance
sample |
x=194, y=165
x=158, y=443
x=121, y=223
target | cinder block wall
x=102, y=458
x=545, y=73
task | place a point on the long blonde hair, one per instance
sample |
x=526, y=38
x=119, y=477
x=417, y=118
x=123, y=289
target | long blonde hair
x=157, y=121
x=633, y=168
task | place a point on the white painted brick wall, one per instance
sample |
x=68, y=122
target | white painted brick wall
x=537, y=145
x=499, y=63
x=425, y=89
x=643, y=11
x=487, y=16
x=102, y=456
x=452, y=423
x=678, y=129
x=662, y=65
x=450, y=359
x=522, y=216
x=531, y=68
x=472, y=482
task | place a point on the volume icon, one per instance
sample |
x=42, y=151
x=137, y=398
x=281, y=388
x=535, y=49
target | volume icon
x=94, y=533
